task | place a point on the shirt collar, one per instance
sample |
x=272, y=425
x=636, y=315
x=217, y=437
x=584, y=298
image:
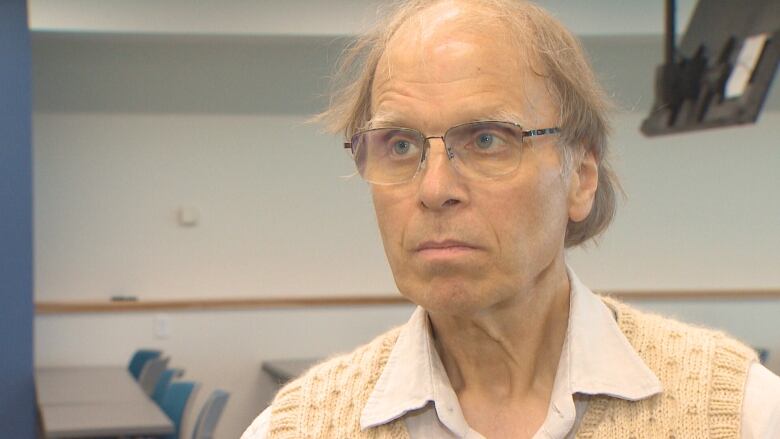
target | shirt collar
x=596, y=359
x=414, y=376
x=601, y=359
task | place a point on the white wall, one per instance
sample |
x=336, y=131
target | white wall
x=702, y=211
x=276, y=218
x=126, y=130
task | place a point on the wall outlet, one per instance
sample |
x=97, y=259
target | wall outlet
x=162, y=326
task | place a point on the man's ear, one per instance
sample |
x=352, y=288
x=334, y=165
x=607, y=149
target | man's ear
x=582, y=187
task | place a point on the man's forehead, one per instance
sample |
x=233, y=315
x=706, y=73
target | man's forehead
x=453, y=52
x=456, y=90
x=519, y=98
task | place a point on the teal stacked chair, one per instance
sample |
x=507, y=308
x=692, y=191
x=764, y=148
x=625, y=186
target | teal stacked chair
x=209, y=415
x=763, y=355
x=139, y=359
x=162, y=384
x=176, y=403
x=151, y=372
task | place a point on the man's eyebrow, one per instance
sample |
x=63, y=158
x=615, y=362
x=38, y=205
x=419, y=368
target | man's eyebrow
x=382, y=121
x=392, y=120
x=504, y=116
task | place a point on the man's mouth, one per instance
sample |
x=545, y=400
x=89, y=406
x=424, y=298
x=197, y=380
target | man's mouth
x=444, y=248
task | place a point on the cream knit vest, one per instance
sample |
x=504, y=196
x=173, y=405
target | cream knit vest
x=703, y=375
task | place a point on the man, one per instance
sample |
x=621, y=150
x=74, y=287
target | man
x=482, y=133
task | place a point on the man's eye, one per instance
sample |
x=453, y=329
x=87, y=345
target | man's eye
x=401, y=147
x=487, y=141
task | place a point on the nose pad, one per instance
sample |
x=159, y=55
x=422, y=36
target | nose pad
x=428, y=147
x=450, y=154
x=427, y=155
x=439, y=185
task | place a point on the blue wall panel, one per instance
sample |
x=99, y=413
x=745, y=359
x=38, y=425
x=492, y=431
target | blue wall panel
x=17, y=397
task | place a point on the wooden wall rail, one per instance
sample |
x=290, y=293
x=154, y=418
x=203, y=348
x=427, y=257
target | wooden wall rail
x=97, y=306
x=55, y=307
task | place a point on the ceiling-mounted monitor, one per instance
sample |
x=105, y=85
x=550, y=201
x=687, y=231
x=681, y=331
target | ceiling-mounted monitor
x=721, y=72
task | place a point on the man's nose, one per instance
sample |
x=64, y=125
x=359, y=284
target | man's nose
x=440, y=186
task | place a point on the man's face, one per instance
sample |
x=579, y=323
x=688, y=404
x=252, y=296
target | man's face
x=460, y=245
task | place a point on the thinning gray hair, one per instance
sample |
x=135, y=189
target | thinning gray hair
x=555, y=54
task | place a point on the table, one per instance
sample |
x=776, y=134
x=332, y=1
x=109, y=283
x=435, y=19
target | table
x=285, y=370
x=95, y=401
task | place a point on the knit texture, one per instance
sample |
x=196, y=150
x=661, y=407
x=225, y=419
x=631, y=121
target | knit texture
x=703, y=374
x=326, y=402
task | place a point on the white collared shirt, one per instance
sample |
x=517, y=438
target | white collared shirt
x=414, y=384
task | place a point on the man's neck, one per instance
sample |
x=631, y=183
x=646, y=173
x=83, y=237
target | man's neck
x=511, y=351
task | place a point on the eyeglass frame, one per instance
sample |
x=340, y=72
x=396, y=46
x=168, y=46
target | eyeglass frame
x=450, y=154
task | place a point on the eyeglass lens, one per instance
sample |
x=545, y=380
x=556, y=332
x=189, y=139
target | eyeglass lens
x=479, y=149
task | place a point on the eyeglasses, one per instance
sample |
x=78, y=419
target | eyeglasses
x=486, y=149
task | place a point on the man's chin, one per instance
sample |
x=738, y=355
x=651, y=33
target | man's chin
x=448, y=299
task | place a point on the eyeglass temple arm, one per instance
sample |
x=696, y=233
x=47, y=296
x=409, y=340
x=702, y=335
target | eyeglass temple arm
x=541, y=132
